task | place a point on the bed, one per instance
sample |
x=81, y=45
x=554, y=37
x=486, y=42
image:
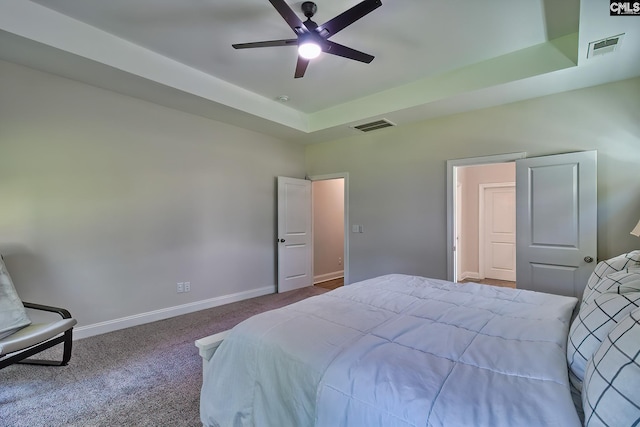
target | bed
x=396, y=350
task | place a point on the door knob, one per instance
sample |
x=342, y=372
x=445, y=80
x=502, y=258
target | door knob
x=281, y=240
x=588, y=259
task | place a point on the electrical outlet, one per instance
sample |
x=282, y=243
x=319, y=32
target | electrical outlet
x=187, y=286
x=339, y=260
x=180, y=287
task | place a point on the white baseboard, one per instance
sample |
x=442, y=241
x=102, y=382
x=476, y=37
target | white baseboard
x=165, y=313
x=469, y=275
x=328, y=276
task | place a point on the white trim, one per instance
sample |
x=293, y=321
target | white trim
x=451, y=185
x=481, y=226
x=469, y=275
x=345, y=176
x=327, y=276
x=166, y=313
x=458, y=238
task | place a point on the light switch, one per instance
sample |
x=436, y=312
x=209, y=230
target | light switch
x=356, y=229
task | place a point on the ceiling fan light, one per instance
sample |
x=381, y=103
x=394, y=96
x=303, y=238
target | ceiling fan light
x=309, y=50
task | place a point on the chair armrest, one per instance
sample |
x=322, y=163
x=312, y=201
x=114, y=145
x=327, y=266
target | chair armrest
x=61, y=311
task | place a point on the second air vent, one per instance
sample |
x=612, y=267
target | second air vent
x=378, y=124
x=604, y=46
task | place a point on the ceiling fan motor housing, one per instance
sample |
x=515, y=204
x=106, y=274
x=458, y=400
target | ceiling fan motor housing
x=309, y=8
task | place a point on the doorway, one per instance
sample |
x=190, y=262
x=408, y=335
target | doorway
x=330, y=230
x=464, y=177
x=556, y=205
x=485, y=223
x=295, y=234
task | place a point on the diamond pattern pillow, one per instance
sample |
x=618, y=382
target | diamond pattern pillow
x=612, y=265
x=593, y=324
x=13, y=316
x=610, y=394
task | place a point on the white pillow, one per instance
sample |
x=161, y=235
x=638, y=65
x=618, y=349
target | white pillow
x=13, y=316
x=611, y=390
x=619, y=282
x=612, y=265
x=593, y=324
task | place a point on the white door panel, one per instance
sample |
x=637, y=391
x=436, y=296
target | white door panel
x=499, y=232
x=556, y=222
x=294, y=234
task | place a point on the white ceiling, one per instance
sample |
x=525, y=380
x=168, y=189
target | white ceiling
x=431, y=57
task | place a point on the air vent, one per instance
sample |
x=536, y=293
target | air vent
x=378, y=124
x=604, y=46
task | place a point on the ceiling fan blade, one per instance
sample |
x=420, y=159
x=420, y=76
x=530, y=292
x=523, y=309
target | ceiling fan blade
x=348, y=17
x=267, y=43
x=288, y=14
x=346, y=52
x=301, y=67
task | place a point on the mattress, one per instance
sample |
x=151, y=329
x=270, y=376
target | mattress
x=397, y=350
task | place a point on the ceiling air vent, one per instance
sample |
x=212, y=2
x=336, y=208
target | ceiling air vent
x=378, y=124
x=604, y=46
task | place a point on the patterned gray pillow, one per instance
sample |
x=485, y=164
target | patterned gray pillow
x=610, y=394
x=593, y=324
x=612, y=265
x=12, y=313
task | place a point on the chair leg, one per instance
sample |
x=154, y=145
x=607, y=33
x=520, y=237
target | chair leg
x=68, y=342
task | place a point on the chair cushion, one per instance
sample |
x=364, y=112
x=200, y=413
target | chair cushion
x=34, y=334
x=610, y=391
x=593, y=324
x=611, y=265
x=13, y=315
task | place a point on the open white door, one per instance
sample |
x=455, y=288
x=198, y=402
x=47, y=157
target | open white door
x=556, y=211
x=294, y=234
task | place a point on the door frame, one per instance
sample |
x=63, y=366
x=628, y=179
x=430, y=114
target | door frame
x=481, y=218
x=345, y=176
x=451, y=199
x=458, y=239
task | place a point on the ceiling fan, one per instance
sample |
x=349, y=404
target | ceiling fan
x=312, y=39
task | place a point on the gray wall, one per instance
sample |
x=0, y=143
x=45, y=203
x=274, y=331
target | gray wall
x=108, y=201
x=398, y=175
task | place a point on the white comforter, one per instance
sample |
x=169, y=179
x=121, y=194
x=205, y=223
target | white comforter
x=397, y=350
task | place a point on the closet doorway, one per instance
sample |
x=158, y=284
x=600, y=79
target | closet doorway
x=556, y=205
x=486, y=223
x=330, y=230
